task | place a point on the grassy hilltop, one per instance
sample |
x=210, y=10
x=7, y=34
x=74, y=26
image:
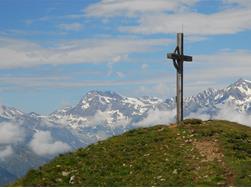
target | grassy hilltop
x=198, y=153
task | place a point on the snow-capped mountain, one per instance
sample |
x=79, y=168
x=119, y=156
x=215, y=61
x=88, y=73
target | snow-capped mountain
x=236, y=95
x=99, y=115
x=114, y=110
x=95, y=101
x=9, y=112
x=103, y=114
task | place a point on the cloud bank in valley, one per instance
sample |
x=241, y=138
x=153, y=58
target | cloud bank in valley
x=155, y=117
x=43, y=144
x=11, y=133
x=226, y=112
x=6, y=152
x=101, y=117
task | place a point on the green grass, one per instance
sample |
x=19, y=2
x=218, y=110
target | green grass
x=155, y=156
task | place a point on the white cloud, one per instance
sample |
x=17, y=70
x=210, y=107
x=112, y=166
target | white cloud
x=98, y=119
x=43, y=144
x=65, y=82
x=20, y=53
x=198, y=116
x=71, y=26
x=242, y=3
x=237, y=57
x=228, y=113
x=109, y=8
x=144, y=66
x=234, y=63
x=6, y=152
x=11, y=133
x=224, y=22
x=104, y=117
x=120, y=74
x=155, y=117
x=158, y=87
x=225, y=65
x=168, y=16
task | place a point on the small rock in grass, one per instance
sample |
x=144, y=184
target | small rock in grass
x=158, y=177
x=221, y=183
x=65, y=173
x=175, y=171
x=71, y=181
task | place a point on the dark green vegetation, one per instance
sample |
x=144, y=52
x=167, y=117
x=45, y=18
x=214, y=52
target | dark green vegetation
x=197, y=153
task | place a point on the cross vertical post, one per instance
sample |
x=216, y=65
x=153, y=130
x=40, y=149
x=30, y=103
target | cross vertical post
x=178, y=58
x=179, y=80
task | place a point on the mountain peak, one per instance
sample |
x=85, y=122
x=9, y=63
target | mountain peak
x=9, y=112
x=102, y=93
x=243, y=86
x=241, y=81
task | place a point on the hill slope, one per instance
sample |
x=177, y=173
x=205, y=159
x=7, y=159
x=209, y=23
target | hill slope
x=209, y=153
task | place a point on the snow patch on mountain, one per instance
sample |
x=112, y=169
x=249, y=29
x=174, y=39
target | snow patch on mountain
x=9, y=112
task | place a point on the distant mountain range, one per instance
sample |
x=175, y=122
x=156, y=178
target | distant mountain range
x=28, y=140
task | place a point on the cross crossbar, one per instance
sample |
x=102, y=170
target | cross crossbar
x=179, y=57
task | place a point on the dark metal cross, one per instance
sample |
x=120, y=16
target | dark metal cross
x=178, y=58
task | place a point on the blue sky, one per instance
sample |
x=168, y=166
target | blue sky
x=53, y=51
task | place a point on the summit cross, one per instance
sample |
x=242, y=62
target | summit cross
x=178, y=59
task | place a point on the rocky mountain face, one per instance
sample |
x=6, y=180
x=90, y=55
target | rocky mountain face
x=31, y=140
